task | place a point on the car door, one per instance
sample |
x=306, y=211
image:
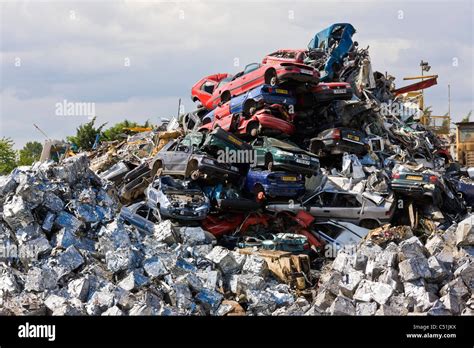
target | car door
x=320, y=205
x=346, y=207
x=259, y=148
x=176, y=159
x=252, y=77
x=205, y=90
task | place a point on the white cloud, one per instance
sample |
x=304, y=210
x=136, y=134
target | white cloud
x=172, y=44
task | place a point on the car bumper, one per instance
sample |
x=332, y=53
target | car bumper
x=329, y=95
x=417, y=191
x=218, y=173
x=297, y=76
x=276, y=99
x=276, y=190
x=339, y=147
x=187, y=214
x=295, y=167
x=276, y=124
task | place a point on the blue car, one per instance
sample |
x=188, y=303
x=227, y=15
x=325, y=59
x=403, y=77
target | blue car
x=264, y=183
x=339, y=34
x=253, y=99
x=464, y=190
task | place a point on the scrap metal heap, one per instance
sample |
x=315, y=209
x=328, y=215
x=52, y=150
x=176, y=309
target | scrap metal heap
x=291, y=197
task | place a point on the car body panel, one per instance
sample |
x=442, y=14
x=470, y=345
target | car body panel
x=339, y=234
x=275, y=184
x=339, y=34
x=285, y=156
x=254, y=75
x=176, y=200
x=347, y=140
x=342, y=205
x=329, y=91
x=286, y=56
x=203, y=94
x=417, y=186
x=272, y=119
x=141, y=216
x=261, y=95
x=181, y=159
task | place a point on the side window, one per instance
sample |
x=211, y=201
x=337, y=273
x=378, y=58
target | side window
x=251, y=67
x=207, y=87
x=258, y=142
x=330, y=230
x=346, y=201
x=328, y=199
x=324, y=199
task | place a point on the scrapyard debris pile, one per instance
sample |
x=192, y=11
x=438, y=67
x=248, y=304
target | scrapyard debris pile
x=307, y=193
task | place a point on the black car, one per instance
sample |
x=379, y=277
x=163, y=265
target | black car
x=427, y=188
x=335, y=141
x=185, y=159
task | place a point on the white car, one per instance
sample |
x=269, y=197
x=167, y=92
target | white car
x=363, y=209
x=338, y=235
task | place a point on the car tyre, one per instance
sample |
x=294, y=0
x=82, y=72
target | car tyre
x=249, y=107
x=253, y=129
x=269, y=162
x=259, y=193
x=225, y=97
x=157, y=167
x=195, y=175
x=271, y=77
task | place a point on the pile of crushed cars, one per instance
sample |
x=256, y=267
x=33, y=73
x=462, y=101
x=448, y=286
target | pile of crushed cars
x=295, y=188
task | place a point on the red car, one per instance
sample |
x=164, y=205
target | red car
x=220, y=225
x=202, y=91
x=273, y=119
x=325, y=92
x=285, y=56
x=252, y=76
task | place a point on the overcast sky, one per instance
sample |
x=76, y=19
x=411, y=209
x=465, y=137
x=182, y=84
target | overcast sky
x=135, y=59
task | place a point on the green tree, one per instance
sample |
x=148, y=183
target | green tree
x=86, y=134
x=7, y=156
x=30, y=153
x=119, y=130
x=467, y=117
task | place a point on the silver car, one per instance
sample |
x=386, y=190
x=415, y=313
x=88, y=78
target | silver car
x=363, y=209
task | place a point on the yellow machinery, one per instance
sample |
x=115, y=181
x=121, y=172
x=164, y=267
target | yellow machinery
x=465, y=143
x=437, y=124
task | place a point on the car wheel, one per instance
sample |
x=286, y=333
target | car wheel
x=191, y=168
x=249, y=107
x=269, y=162
x=225, y=97
x=252, y=129
x=259, y=193
x=271, y=77
x=195, y=175
x=370, y=224
x=157, y=167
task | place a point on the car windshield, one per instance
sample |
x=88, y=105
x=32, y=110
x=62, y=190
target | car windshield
x=282, y=144
x=330, y=230
x=168, y=182
x=224, y=81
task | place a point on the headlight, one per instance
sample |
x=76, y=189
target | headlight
x=208, y=161
x=284, y=153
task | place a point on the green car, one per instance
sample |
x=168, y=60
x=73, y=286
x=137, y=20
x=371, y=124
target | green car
x=220, y=139
x=276, y=154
